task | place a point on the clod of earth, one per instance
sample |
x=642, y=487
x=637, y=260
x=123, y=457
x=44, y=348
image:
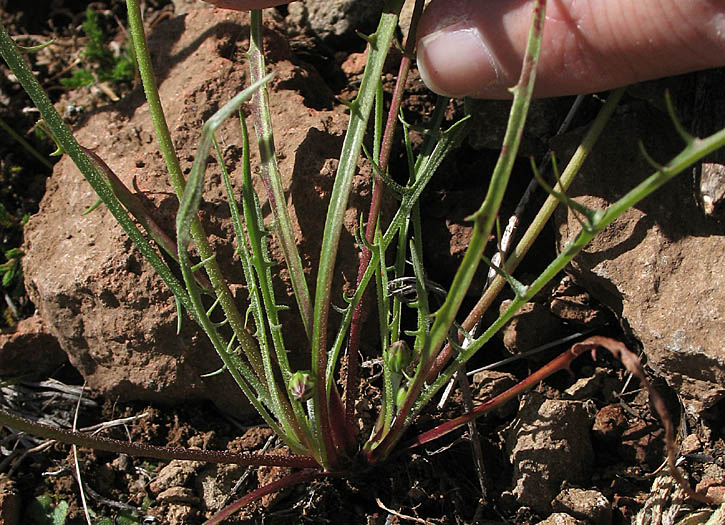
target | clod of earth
x=549, y=443
x=18, y=350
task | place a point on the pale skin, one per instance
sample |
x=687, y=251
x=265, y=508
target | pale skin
x=475, y=47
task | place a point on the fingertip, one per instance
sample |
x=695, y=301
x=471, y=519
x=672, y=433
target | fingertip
x=455, y=61
x=476, y=48
x=459, y=53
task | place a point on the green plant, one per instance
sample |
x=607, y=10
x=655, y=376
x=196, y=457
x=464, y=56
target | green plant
x=306, y=407
x=11, y=269
x=123, y=518
x=105, y=66
x=42, y=511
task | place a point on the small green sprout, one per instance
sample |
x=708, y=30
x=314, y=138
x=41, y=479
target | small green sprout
x=398, y=357
x=302, y=385
x=44, y=511
x=11, y=268
x=400, y=396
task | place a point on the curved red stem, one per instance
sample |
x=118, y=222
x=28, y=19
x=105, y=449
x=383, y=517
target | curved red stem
x=373, y=214
x=287, y=481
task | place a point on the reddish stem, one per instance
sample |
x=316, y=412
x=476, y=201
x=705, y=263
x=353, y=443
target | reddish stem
x=150, y=451
x=342, y=435
x=373, y=214
x=445, y=355
x=287, y=481
x=631, y=363
x=559, y=363
x=326, y=425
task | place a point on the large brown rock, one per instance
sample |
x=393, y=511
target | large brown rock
x=110, y=312
x=548, y=443
x=661, y=266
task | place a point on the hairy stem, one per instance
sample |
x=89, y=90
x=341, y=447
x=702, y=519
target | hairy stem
x=70, y=146
x=185, y=218
x=359, y=112
x=373, y=214
x=271, y=176
x=483, y=220
x=695, y=150
x=226, y=301
x=532, y=233
x=149, y=451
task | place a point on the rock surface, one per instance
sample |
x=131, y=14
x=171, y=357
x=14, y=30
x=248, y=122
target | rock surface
x=561, y=518
x=661, y=266
x=30, y=350
x=573, y=304
x=542, y=122
x=406, y=15
x=176, y=474
x=214, y=484
x=182, y=495
x=532, y=326
x=609, y=424
x=334, y=21
x=547, y=444
x=588, y=505
x=487, y=384
x=109, y=311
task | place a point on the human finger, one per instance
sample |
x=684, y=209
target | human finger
x=475, y=48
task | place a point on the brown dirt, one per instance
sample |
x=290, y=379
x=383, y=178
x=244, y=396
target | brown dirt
x=436, y=484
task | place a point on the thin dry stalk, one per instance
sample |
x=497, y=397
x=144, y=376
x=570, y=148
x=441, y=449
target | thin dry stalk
x=75, y=460
x=398, y=514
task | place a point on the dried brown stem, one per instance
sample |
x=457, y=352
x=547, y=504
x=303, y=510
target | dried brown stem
x=632, y=364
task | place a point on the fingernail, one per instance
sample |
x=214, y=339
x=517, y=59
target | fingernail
x=456, y=61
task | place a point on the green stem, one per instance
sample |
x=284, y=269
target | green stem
x=271, y=176
x=537, y=225
x=143, y=60
x=226, y=301
x=185, y=218
x=360, y=109
x=135, y=208
x=372, y=220
x=448, y=141
x=694, y=151
x=483, y=220
x=485, y=217
x=95, y=178
x=259, y=261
